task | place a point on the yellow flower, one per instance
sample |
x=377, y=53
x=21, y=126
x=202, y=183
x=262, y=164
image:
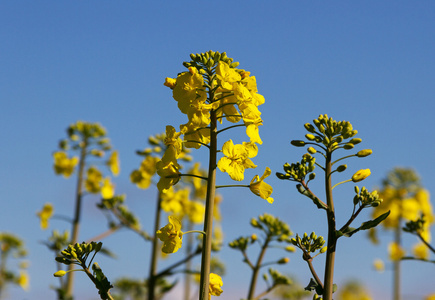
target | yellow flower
x=396, y=251
x=93, y=180
x=195, y=212
x=252, y=131
x=361, y=175
x=142, y=176
x=430, y=297
x=172, y=138
x=173, y=202
x=107, y=189
x=171, y=235
x=236, y=159
x=64, y=165
x=226, y=75
x=194, y=137
x=189, y=88
x=167, y=169
x=113, y=163
x=261, y=188
x=23, y=280
x=45, y=214
x=379, y=265
x=215, y=285
x=421, y=251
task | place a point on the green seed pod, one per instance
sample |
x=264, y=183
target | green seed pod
x=341, y=168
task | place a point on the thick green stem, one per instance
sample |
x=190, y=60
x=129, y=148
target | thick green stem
x=256, y=270
x=153, y=264
x=76, y=220
x=332, y=240
x=187, y=276
x=209, y=205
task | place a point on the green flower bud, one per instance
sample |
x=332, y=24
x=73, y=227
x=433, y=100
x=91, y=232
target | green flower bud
x=297, y=143
x=291, y=248
x=323, y=250
x=356, y=189
x=312, y=176
x=341, y=168
x=355, y=141
x=364, y=153
x=283, y=260
x=234, y=64
x=339, y=139
x=361, y=175
x=310, y=127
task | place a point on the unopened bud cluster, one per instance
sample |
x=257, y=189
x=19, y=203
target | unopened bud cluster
x=78, y=253
x=366, y=198
x=209, y=59
x=273, y=226
x=298, y=171
x=309, y=243
x=416, y=226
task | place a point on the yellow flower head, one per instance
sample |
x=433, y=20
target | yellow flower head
x=93, y=180
x=167, y=169
x=361, y=175
x=107, y=189
x=172, y=138
x=379, y=265
x=421, y=251
x=45, y=214
x=142, y=176
x=396, y=251
x=226, y=75
x=171, y=235
x=215, y=285
x=113, y=163
x=188, y=88
x=64, y=165
x=236, y=159
x=23, y=280
x=261, y=188
x=195, y=212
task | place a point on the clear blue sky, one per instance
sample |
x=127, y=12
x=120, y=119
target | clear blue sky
x=369, y=62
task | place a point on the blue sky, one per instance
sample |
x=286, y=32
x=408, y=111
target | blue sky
x=367, y=62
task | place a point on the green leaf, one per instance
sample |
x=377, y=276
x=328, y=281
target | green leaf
x=349, y=231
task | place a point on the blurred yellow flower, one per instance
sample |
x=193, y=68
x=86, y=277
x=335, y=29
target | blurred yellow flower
x=23, y=280
x=421, y=251
x=142, y=176
x=107, y=189
x=261, y=188
x=215, y=285
x=171, y=235
x=45, y=214
x=395, y=251
x=64, y=165
x=113, y=163
x=93, y=180
x=167, y=169
x=379, y=265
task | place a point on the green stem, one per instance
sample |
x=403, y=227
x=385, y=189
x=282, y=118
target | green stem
x=154, y=254
x=209, y=205
x=229, y=127
x=256, y=269
x=396, y=263
x=187, y=276
x=332, y=240
x=231, y=185
x=76, y=220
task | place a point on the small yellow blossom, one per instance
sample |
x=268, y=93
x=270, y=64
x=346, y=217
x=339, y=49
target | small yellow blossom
x=261, y=188
x=107, y=189
x=361, y=175
x=395, y=251
x=171, y=235
x=23, y=280
x=236, y=160
x=64, y=165
x=421, y=251
x=45, y=214
x=113, y=163
x=379, y=265
x=215, y=285
x=59, y=273
x=93, y=180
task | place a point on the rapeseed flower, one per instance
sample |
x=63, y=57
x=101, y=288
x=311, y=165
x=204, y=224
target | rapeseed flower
x=236, y=159
x=45, y=214
x=261, y=188
x=171, y=235
x=215, y=284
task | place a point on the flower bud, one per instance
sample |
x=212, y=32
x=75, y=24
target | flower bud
x=341, y=168
x=59, y=273
x=364, y=153
x=290, y=248
x=283, y=260
x=355, y=141
x=361, y=175
x=310, y=136
x=323, y=250
x=297, y=143
x=348, y=146
x=312, y=176
x=311, y=150
x=310, y=127
x=254, y=237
